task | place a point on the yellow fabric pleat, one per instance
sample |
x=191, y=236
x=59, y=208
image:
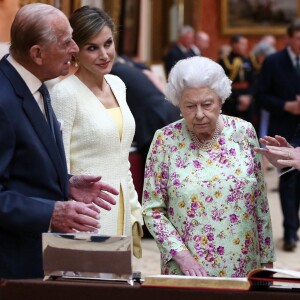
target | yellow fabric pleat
x=116, y=115
x=120, y=227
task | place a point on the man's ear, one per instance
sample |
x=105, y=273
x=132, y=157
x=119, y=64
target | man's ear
x=36, y=54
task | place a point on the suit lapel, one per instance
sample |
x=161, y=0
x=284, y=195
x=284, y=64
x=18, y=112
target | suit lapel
x=38, y=121
x=289, y=71
x=60, y=146
x=45, y=134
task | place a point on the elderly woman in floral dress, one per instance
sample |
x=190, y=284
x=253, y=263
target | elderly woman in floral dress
x=204, y=197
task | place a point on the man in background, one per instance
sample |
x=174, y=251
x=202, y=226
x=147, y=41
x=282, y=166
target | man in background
x=202, y=42
x=258, y=54
x=183, y=48
x=279, y=94
x=269, y=39
x=238, y=68
x=146, y=101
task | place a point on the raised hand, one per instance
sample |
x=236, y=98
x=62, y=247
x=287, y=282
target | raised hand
x=286, y=156
x=276, y=141
x=90, y=189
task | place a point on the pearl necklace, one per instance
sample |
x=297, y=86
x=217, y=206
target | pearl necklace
x=206, y=145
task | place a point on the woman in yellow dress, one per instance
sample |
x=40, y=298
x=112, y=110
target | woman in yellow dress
x=97, y=125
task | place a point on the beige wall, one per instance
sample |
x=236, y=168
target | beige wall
x=8, y=9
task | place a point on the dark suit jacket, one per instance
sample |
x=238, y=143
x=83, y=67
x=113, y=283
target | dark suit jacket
x=295, y=142
x=33, y=174
x=148, y=105
x=278, y=83
x=174, y=55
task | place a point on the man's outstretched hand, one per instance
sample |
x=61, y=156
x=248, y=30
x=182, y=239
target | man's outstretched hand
x=272, y=156
x=90, y=189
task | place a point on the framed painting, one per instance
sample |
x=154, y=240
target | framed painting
x=258, y=16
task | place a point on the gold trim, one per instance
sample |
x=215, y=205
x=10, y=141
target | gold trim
x=254, y=62
x=227, y=30
x=235, y=67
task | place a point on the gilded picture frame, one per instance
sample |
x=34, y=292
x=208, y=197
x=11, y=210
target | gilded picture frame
x=257, y=17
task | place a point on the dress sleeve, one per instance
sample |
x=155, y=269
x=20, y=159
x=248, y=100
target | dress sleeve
x=155, y=200
x=64, y=105
x=262, y=209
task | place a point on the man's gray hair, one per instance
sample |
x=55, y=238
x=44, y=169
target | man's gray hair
x=263, y=48
x=197, y=72
x=31, y=27
x=185, y=29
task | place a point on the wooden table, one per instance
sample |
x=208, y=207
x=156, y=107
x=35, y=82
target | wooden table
x=84, y=290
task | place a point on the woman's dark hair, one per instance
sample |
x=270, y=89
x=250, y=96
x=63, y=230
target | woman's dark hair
x=88, y=21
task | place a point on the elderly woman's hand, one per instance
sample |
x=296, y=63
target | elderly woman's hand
x=188, y=264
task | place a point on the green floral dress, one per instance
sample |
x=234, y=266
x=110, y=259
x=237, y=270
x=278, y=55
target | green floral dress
x=213, y=203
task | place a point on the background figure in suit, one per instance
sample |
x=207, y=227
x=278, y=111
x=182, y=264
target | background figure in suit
x=269, y=39
x=183, y=48
x=147, y=103
x=258, y=54
x=238, y=68
x=34, y=183
x=158, y=82
x=202, y=42
x=278, y=93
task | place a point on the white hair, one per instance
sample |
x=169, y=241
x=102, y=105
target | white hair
x=263, y=48
x=185, y=29
x=197, y=72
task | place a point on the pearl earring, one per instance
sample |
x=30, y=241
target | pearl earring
x=180, y=115
x=75, y=61
x=220, y=111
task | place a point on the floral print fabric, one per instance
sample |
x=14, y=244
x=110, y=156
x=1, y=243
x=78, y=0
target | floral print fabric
x=211, y=203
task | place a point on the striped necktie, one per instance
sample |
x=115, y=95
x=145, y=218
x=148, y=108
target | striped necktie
x=47, y=104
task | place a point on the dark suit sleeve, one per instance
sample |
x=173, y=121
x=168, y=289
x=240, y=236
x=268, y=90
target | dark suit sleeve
x=18, y=213
x=265, y=85
x=295, y=142
x=169, y=62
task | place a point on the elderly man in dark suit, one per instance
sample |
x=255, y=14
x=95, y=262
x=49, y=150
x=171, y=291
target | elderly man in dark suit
x=183, y=48
x=34, y=183
x=278, y=93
